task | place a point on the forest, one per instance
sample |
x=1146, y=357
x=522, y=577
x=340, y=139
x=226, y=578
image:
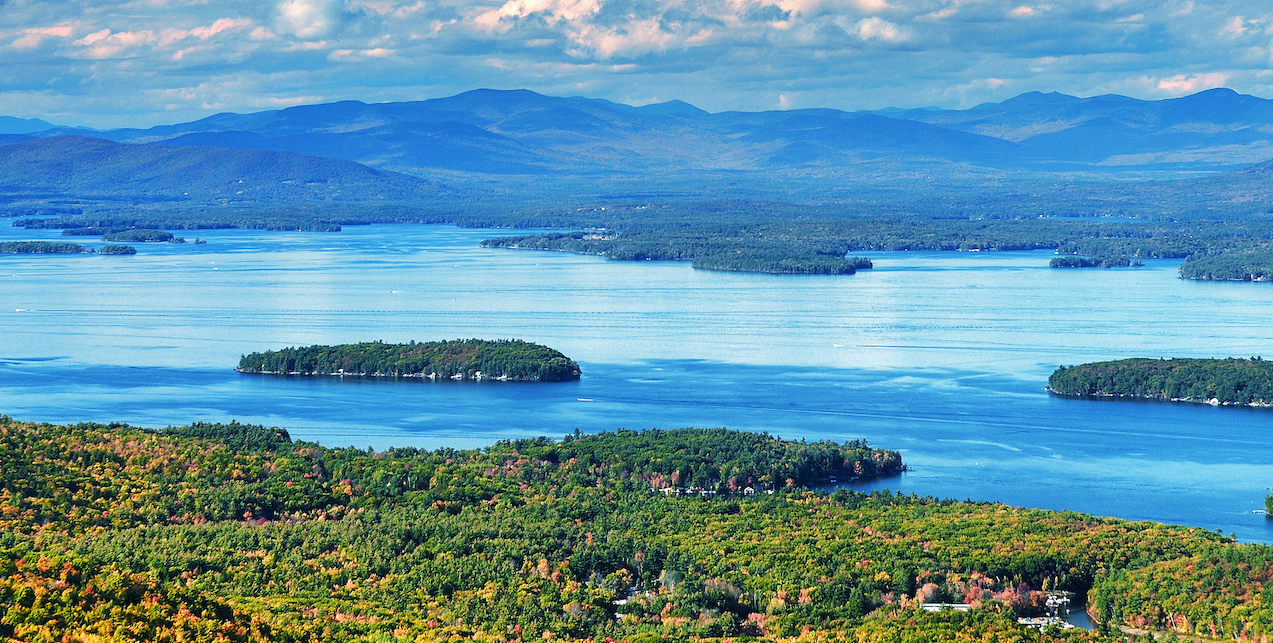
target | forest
x=1233, y=381
x=462, y=359
x=234, y=532
x=1251, y=265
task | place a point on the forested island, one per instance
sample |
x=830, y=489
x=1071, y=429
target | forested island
x=48, y=247
x=41, y=247
x=1076, y=261
x=135, y=235
x=706, y=252
x=461, y=359
x=232, y=532
x=1233, y=381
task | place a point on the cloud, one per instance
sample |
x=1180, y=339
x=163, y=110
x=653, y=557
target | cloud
x=112, y=58
x=1234, y=28
x=874, y=28
x=310, y=19
x=33, y=37
x=1180, y=84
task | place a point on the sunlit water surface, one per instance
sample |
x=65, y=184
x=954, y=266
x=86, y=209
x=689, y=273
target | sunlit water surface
x=943, y=356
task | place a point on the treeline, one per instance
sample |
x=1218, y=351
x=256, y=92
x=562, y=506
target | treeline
x=1252, y=265
x=237, y=533
x=458, y=359
x=1232, y=381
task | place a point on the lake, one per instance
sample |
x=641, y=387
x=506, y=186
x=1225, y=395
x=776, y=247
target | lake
x=942, y=356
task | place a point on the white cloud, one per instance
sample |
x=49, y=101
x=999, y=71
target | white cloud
x=1181, y=84
x=1235, y=27
x=35, y=36
x=875, y=28
x=309, y=19
x=106, y=44
x=552, y=10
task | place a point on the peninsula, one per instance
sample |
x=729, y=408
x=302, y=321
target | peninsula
x=1253, y=265
x=461, y=359
x=1219, y=382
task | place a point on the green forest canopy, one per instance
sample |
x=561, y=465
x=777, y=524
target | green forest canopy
x=459, y=359
x=1250, y=265
x=235, y=532
x=1227, y=381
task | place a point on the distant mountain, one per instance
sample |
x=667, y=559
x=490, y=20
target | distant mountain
x=1214, y=129
x=11, y=125
x=82, y=167
x=521, y=132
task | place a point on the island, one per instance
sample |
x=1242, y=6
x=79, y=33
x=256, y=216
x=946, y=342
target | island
x=1219, y=382
x=776, y=254
x=238, y=532
x=41, y=248
x=112, y=249
x=1106, y=261
x=461, y=359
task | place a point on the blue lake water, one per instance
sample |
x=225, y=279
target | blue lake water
x=940, y=355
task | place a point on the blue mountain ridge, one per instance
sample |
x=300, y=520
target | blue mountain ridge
x=520, y=132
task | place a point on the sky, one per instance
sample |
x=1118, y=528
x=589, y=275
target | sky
x=110, y=63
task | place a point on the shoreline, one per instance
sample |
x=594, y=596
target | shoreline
x=433, y=377
x=1184, y=400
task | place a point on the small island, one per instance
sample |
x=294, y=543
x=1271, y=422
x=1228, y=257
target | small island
x=51, y=248
x=1102, y=261
x=467, y=359
x=1219, y=382
x=133, y=235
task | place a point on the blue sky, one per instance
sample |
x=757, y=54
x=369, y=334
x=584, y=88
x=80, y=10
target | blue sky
x=108, y=63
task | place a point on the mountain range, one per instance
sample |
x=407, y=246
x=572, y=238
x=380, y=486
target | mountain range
x=522, y=132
